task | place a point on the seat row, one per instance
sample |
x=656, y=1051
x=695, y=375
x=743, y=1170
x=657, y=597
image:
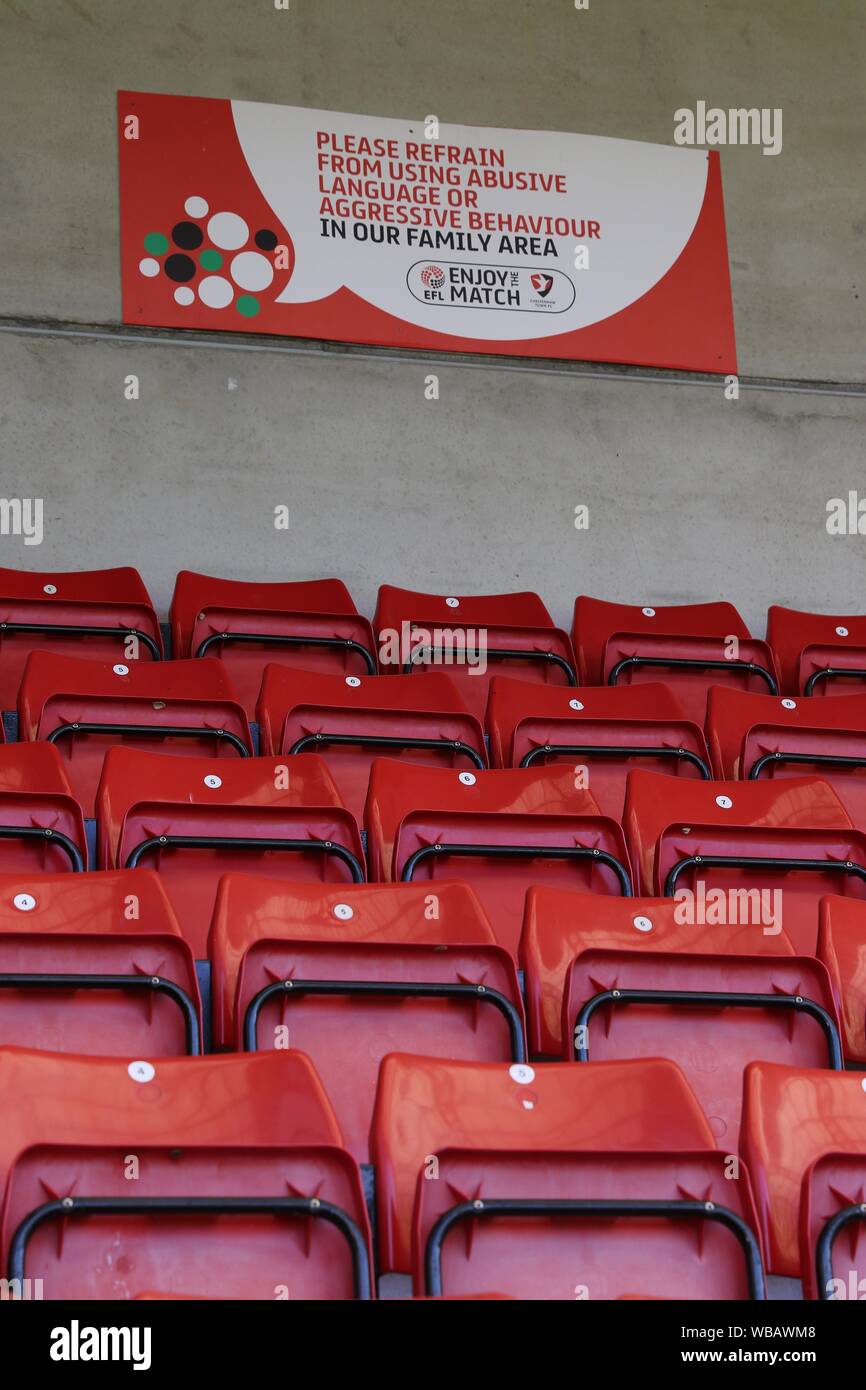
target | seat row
x=108, y=614
x=227, y=1177
x=85, y=706
x=97, y=963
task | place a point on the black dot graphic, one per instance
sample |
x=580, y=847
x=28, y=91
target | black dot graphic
x=179, y=267
x=266, y=240
x=187, y=235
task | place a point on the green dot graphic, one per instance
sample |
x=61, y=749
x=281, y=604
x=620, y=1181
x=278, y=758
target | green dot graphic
x=248, y=305
x=156, y=243
x=210, y=260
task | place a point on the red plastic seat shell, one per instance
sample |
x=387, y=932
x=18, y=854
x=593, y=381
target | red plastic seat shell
x=423, y=1106
x=59, y=691
x=560, y=926
x=597, y=620
x=204, y=607
x=842, y=948
x=296, y=704
x=490, y=622
x=412, y=809
x=112, y=923
x=143, y=794
x=264, y=933
x=35, y=791
x=808, y=642
x=524, y=718
x=791, y=1118
x=97, y=598
x=831, y=1183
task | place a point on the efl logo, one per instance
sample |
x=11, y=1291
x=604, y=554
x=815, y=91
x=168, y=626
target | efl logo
x=77, y=1343
x=433, y=277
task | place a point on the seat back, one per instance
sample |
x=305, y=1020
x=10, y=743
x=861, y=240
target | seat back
x=604, y=731
x=473, y=637
x=194, y=820
x=424, y=1106
x=842, y=948
x=312, y=625
x=561, y=927
x=792, y=1118
x=818, y=654
x=500, y=831
x=596, y=1225
x=757, y=852
x=350, y=720
x=689, y=646
x=206, y=1174
x=95, y=963
x=833, y=1227
x=763, y=738
x=86, y=707
x=103, y=614
x=41, y=823
x=349, y=974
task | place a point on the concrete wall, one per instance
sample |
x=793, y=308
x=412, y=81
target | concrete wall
x=690, y=496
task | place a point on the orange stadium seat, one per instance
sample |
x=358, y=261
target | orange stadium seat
x=194, y=819
x=312, y=625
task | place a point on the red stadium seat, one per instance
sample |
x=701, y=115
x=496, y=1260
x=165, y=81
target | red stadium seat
x=543, y=1167
x=95, y=963
x=842, y=948
x=833, y=1227
x=767, y=737
x=87, y=707
x=818, y=654
x=499, y=831
x=221, y=1174
x=788, y=842
x=560, y=927
x=690, y=646
x=711, y=1014
x=606, y=730
x=350, y=720
x=312, y=625
x=473, y=637
x=104, y=614
x=195, y=819
x=41, y=823
x=792, y=1118
x=349, y=974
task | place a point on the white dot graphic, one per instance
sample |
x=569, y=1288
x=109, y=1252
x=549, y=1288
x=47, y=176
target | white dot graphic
x=149, y=267
x=227, y=231
x=215, y=292
x=184, y=295
x=195, y=207
x=252, y=271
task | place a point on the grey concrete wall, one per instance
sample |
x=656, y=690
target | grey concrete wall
x=690, y=496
